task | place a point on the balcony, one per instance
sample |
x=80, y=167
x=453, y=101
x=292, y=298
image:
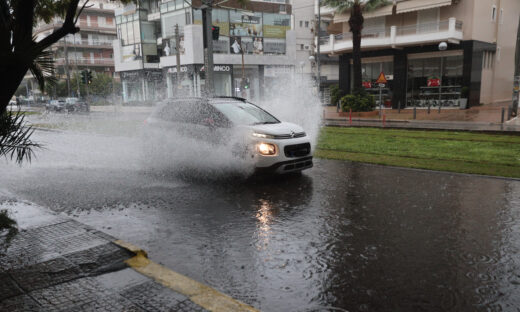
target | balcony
x=395, y=37
x=86, y=43
x=85, y=61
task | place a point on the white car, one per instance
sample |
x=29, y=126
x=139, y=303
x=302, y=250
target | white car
x=236, y=125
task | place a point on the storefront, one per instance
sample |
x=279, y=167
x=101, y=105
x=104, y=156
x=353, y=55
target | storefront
x=371, y=68
x=434, y=79
x=423, y=76
x=141, y=85
x=192, y=80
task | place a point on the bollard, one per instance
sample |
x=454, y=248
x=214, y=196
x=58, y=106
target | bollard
x=350, y=117
x=414, y=112
x=503, y=112
x=399, y=107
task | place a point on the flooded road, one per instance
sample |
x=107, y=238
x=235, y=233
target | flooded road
x=343, y=236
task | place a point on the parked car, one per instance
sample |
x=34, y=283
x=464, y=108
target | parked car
x=76, y=105
x=235, y=125
x=56, y=105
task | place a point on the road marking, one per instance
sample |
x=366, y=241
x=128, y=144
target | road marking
x=203, y=295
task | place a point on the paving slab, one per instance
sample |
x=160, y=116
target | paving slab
x=58, y=264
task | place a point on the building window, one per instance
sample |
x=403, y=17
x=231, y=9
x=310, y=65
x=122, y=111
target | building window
x=494, y=13
x=306, y=24
x=301, y=46
x=301, y=23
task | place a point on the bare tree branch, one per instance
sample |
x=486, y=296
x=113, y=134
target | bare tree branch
x=81, y=10
x=68, y=27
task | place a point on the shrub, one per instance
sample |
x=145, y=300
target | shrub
x=359, y=101
x=335, y=94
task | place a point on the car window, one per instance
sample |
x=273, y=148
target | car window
x=244, y=113
x=192, y=112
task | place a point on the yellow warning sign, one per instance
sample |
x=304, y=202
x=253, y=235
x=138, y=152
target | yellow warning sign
x=381, y=78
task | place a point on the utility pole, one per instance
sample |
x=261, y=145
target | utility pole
x=178, y=55
x=208, y=45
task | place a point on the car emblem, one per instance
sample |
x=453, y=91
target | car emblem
x=292, y=134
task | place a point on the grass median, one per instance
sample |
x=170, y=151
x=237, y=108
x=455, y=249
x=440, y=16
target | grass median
x=465, y=152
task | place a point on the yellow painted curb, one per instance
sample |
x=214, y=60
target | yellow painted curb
x=203, y=295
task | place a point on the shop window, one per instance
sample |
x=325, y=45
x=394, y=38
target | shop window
x=434, y=81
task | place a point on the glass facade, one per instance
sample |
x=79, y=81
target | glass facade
x=370, y=71
x=434, y=81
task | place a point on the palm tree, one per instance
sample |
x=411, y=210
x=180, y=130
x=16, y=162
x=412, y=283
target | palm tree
x=356, y=7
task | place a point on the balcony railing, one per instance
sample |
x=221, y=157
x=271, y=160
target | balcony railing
x=86, y=61
x=87, y=42
x=394, y=36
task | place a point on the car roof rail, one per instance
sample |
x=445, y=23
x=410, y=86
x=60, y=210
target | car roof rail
x=230, y=97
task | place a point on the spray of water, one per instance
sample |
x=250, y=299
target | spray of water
x=197, y=151
x=295, y=101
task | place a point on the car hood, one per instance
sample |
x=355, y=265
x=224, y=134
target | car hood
x=282, y=128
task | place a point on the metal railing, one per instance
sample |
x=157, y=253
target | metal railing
x=380, y=32
x=87, y=42
x=85, y=61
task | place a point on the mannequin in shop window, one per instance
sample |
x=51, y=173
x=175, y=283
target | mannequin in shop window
x=166, y=49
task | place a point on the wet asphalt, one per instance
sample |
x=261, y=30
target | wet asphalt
x=342, y=236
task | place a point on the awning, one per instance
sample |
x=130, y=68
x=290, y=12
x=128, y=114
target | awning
x=417, y=5
x=382, y=11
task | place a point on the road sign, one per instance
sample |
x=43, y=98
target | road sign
x=381, y=78
x=382, y=85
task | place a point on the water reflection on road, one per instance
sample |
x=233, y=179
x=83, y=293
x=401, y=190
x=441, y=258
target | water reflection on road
x=342, y=236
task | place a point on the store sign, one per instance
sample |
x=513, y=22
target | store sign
x=248, y=19
x=129, y=75
x=434, y=82
x=153, y=75
x=367, y=84
x=173, y=70
x=222, y=68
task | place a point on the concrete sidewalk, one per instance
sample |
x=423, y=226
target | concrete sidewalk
x=58, y=264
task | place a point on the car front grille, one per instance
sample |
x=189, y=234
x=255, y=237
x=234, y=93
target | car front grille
x=297, y=150
x=290, y=136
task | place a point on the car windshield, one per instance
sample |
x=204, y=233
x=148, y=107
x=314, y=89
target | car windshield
x=242, y=113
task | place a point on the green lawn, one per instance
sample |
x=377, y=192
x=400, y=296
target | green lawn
x=489, y=154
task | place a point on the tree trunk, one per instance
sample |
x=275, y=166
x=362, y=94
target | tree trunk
x=13, y=74
x=356, y=25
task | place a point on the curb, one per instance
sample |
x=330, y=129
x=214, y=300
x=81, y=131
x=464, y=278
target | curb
x=201, y=294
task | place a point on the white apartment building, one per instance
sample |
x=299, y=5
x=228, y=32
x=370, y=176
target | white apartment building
x=145, y=53
x=480, y=38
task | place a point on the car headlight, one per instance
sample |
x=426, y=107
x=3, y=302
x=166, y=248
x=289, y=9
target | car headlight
x=266, y=149
x=263, y=135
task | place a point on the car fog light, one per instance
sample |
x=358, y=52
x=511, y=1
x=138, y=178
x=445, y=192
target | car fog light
x=266, y=149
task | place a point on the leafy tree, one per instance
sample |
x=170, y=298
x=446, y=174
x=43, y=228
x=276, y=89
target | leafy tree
x=355, y=22
x=19, y=51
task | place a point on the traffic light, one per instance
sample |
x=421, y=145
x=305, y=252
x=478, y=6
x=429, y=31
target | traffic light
x=215, y=31
x=244, y=84
x=89, y=77
x=84, y=76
